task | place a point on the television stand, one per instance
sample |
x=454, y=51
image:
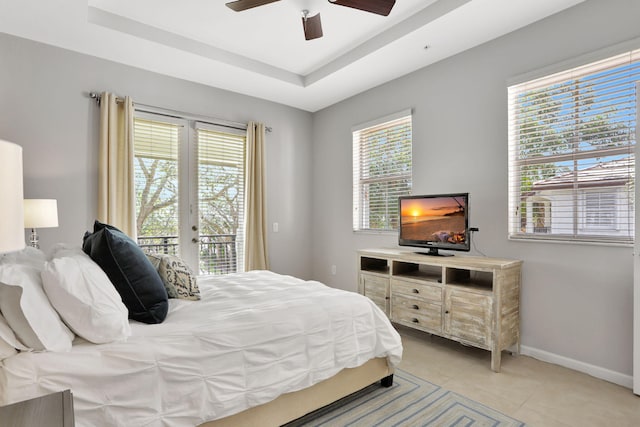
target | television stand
x=472, y=300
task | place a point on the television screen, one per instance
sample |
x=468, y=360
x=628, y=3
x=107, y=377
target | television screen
x=435, y=221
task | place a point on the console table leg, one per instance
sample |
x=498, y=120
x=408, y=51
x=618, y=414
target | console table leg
x=495, y=360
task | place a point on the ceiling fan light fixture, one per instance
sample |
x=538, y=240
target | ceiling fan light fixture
x=311, y=25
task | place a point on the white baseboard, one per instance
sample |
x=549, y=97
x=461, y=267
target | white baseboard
x=595, y=371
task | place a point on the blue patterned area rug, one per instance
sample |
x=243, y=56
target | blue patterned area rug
x=410, y=401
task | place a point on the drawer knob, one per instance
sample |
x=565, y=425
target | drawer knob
x=415, y=307
x=415, y=291
x=415, y=320
x=446, y=312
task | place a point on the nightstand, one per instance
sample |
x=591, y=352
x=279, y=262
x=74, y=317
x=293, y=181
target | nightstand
x=55, y=410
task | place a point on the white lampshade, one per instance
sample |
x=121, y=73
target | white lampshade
x=40, y=213
x=11, y=208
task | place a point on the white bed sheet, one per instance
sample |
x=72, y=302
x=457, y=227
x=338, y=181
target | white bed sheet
x=252, y=337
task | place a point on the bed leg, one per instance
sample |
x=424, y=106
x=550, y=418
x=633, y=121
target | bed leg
x=387, y=381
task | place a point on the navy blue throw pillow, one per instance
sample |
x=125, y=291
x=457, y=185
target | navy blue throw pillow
x=128, y=268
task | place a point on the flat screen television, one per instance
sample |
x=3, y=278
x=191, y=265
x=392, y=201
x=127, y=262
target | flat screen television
x=437, y=221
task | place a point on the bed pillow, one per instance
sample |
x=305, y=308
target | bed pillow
x=28, y=311
x=84, y=297
x=9, y=344
x=27, y=256
x=178, y=279
x=132, y=274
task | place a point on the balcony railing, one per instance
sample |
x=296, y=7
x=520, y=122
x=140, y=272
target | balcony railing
x=218, y=253
x=159, y=244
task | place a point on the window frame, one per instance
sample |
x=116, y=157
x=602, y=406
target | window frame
x=361, y=220
x=616, y=234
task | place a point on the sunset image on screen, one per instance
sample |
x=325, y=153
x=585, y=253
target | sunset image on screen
x=438, y=219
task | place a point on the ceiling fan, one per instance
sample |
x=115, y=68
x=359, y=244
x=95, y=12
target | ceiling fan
x=311, y=24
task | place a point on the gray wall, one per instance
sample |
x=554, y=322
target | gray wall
x=44, y=108
x=576, y=299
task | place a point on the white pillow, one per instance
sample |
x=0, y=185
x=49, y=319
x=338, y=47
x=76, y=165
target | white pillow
x=28, y=256
x=28, y=311
x=84, y=297
x=9, y=344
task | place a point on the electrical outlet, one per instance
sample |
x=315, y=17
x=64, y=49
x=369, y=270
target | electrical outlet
x=333, y=269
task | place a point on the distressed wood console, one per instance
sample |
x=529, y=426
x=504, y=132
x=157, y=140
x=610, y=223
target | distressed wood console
x=473, y=300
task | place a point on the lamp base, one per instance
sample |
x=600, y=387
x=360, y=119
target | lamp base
x=34, y=241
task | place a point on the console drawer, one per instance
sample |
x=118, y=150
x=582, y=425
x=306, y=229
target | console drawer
x=420, y=291
x=416, y=313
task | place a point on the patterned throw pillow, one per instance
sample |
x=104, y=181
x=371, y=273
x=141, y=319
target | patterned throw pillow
x=179, y=280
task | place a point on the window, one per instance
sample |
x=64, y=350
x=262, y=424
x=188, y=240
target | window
x=381, y=171
x=600, y=210
x=572, y=153
x=189, y=181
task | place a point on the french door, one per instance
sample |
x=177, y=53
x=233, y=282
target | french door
x=189, y=179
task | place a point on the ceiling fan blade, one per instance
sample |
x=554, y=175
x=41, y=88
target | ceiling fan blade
x=240, y=5
x=312, y=27
x=379, y=7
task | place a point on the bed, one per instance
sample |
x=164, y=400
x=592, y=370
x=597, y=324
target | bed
x=259, y=348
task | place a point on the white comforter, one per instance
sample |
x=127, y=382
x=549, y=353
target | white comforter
x=252, y=337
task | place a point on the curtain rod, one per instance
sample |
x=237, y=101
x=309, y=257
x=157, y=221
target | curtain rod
x=179, y=114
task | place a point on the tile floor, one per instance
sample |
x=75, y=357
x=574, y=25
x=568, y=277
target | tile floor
x=538, y=393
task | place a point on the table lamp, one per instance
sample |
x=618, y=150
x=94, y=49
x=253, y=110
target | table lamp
x=39, y=213
x=11, y=208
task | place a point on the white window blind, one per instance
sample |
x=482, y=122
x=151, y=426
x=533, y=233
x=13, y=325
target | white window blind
x=156, y=147
x=220, y=171
x=381, y=171
x=572, y=153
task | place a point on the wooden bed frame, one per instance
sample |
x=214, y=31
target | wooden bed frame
x=291, y=406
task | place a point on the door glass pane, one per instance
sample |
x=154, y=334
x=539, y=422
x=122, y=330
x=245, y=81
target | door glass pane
x=220, y=172
x=156, y=183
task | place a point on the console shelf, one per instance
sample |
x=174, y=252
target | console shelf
x=473, y=300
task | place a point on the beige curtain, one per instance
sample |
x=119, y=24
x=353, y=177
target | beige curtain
x=255, y=246
x=116, y=193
